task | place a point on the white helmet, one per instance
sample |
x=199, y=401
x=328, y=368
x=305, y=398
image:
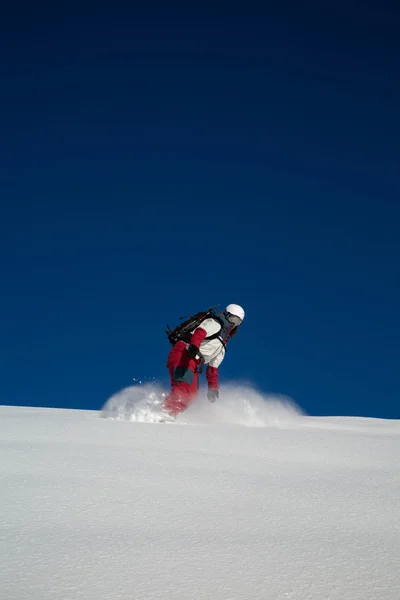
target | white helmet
x=235, y=310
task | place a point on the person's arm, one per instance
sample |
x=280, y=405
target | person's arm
x=212, y=376
x=208, y=327
x=212, y=380
x=197, y=337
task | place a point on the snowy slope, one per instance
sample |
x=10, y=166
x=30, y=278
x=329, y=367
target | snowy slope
x=95, y=508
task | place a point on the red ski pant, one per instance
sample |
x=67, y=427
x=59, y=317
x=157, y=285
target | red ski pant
x=184, y=379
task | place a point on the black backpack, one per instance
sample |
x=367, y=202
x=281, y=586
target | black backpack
x=184, y=330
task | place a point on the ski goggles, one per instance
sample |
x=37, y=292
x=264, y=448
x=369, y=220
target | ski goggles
x=235, y=320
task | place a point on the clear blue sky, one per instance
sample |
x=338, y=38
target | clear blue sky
x=158, y=160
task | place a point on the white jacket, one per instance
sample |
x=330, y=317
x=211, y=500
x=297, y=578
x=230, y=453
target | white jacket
x=213, y=351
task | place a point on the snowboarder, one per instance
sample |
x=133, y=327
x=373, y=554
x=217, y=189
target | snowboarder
x=185, y=360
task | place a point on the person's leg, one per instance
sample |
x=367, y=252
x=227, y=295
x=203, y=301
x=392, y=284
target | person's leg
x=184, y=380
x=194, y=388
x=178, y=399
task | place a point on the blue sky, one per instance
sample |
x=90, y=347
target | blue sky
x=159, y=160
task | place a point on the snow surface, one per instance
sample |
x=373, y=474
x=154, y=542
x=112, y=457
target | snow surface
x=245, y=499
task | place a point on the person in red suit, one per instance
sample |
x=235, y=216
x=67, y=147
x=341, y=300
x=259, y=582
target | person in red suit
x=207, y=346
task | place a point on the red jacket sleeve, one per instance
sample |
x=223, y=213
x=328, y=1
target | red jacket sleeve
x=212, y=377
x=198, y=336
